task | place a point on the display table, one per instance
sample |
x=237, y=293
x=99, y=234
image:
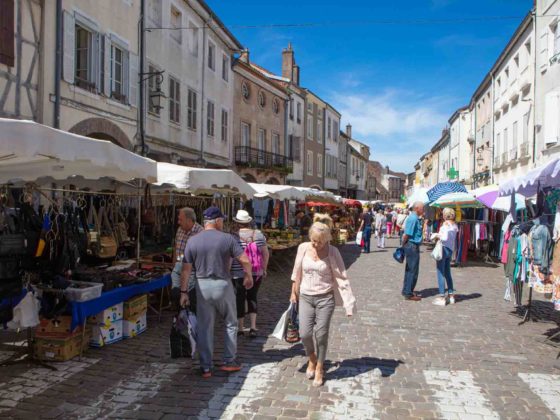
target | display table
x=82, y=310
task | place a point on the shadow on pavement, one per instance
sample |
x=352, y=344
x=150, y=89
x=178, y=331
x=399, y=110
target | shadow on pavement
x=352, y=367
x=350, y=253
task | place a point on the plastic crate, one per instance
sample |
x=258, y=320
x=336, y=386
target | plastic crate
x=82, y=291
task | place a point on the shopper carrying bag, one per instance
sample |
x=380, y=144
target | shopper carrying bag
x=319, y=284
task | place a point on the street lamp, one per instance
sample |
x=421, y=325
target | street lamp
x=155, y=102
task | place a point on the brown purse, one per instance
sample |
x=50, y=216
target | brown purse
x=149, y=212
x=108, y=246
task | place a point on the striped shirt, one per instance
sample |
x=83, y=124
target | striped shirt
x=245, y=237
x=181, y=238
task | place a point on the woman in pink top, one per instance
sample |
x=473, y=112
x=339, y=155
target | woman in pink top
x=319, y=283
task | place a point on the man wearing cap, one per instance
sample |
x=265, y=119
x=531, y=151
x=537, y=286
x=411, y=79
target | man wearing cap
x=210, y=254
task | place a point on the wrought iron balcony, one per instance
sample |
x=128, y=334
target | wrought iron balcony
x=497, y=162
x=524, y=150
x=513, y=154
x=255, y=158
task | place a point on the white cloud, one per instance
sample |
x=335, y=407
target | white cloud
x=399, y=126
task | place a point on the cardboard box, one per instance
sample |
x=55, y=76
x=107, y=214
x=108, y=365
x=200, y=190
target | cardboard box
x=61, y=349
x=133, y=327
x=103, y=335
x=135, y=307
x=108, y=316
x=56, y=328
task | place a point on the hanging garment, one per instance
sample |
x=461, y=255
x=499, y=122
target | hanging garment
x=505, y=247
x=541, y=244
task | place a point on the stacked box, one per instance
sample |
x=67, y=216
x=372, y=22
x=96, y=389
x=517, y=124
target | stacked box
x=56, y=342
x=107, y=326
x=135, y=311
x=61, y=349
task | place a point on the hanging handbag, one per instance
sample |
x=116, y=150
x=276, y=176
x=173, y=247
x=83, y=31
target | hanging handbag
x=148, y=211
x=92, y=230
x=292, y=332
x=108, y=246
x=398, y=255
x=437, y=253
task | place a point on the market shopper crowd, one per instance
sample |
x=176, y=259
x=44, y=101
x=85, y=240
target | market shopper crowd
x=220, y=274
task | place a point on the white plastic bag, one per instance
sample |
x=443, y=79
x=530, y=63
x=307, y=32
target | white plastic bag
x=437, y=253
x=26, y=313
x=282, y=326
x=359, y=238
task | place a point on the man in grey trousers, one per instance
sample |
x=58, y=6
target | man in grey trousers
x=209, y=254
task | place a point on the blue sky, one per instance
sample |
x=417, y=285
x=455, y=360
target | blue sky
x=397, y=84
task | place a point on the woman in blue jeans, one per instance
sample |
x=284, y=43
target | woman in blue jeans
x=448, y=237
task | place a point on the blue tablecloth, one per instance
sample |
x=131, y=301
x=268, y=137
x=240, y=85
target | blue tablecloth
x=81, y=310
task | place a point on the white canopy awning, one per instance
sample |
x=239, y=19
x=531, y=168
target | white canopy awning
x=201, y=180
x=318, y=195
x=29, y=151
x=278, y=192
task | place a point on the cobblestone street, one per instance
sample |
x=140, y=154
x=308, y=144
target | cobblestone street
x=395, y=359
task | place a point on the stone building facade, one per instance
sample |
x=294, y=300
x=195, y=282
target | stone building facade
x=259, y=125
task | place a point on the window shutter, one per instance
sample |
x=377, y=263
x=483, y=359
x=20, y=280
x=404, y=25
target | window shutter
x=544, y=48
x=133, y=78
x=557, y=39
x=69, y=26
x=107, y=63
x=7, y=32
x=297, y=148
x=552, y=117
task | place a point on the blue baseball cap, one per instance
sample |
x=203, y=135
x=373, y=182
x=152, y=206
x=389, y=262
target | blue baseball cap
x=212, y=213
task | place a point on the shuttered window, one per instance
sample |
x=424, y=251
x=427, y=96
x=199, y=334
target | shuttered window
x=174, y=101
x=7, y=32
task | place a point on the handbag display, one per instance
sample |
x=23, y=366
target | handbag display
x=108, y=246
x=148, y=211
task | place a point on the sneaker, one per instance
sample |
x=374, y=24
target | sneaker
x=205, y=373
x=233, y=366
x=451, y=299
x=440, y=301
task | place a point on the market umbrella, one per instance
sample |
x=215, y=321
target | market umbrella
x=489, y=196
x=528, y=185
x=458, y=200
x=419, y=194
x=444, y=188
x=351, y=202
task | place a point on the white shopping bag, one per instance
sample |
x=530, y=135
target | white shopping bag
x=280, y=329
x=437, y=253
x=359, y=238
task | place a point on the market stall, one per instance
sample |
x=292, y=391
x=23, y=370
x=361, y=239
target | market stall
x=531, y=251
x=60, y=238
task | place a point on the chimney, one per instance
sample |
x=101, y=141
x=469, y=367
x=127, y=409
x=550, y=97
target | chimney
x=244, y=56
x=349, y=131
x=288, y=62
x=295, y=79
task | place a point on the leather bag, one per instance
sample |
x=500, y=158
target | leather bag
x=108, y=246
x=148, y=211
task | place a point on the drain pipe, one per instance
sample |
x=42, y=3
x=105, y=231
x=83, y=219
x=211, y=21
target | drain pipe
x=58, y=64
x=202, y=97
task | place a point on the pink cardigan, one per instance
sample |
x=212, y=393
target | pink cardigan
x=343, y=292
